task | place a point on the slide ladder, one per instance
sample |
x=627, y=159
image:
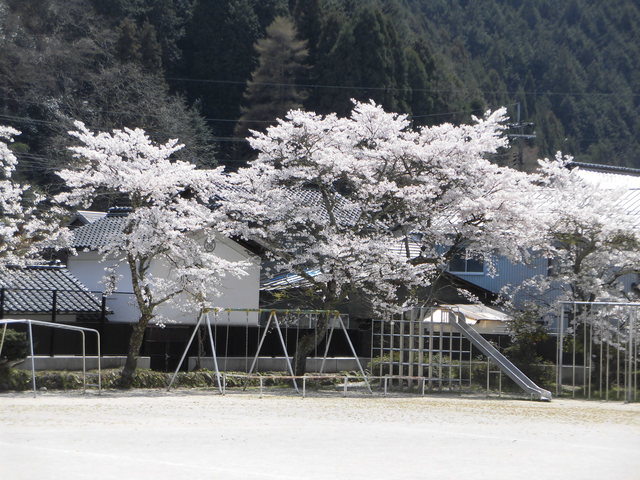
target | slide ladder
x=458, y=321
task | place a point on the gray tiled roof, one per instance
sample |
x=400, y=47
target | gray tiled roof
x=97, y=234
x=345, y=212
x=30, y=290
x=597, y=167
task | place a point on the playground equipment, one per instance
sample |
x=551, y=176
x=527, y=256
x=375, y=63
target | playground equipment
x=274, y=323
x=414, y=347
x=458, y=321
x=82, y=331
x=598, y=342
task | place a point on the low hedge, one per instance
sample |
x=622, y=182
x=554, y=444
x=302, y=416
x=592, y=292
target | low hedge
x=20, y=380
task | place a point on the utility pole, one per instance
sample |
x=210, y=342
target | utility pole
x=518, y=128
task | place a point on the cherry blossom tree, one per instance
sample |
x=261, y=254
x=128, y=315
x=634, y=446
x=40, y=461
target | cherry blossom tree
x=595, y=249
x=368, y=205
x=169, y=224
x=27, y=224
x=594, y=256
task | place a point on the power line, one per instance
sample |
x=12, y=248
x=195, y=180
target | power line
x=214, y=138
x=231, y=120
x=125, y=112
x=397, y=89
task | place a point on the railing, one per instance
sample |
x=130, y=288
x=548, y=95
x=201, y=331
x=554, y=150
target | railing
x=344, y=381
x=82, y=330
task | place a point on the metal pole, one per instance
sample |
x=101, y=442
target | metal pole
x=421, y=346
x=573, y=355
x=264, y=334
x=441, y=351
x=559, y=351
x=184, y=354
x=33, y=364
x=344, y=388
x=470, y=363
x=246, y=342
x=213, y=352
x=618, y=345
x=460, y=363
x=355, y=355
x=430, y=369
x=630, y=358
x=590, y=355
x=286, y=353
x=635, y=369
x=401, y=347
x=584, y=357
x=391, y=353
x=607, y=374
x=304, y=386
x=412, y=315
x=326, y=347
x=381, y=340
x=4, y=332
x=84, y=366
x=99, y=366
x=450, y=368
x=600, y=368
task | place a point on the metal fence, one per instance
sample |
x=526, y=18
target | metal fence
x=598, y=343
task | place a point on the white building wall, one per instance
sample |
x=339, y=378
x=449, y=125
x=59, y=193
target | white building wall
x=234, y=292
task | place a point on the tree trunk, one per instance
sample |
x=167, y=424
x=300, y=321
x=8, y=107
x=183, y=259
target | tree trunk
x=308, y=343
x=135, y=342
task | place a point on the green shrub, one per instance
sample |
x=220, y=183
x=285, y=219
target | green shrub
x=14, y=347
x=527, y=336
x=14, y=350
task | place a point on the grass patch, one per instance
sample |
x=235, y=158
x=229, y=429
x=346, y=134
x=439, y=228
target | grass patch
x=20, y=380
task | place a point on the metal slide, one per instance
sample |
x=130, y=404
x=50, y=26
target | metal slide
x=458, y=321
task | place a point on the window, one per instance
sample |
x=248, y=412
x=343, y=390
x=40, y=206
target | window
x=465, y=262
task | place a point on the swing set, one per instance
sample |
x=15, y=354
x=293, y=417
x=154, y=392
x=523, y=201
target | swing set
x=277, y=320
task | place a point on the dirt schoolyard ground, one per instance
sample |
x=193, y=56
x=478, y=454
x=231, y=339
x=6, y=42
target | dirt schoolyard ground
x=189, y=434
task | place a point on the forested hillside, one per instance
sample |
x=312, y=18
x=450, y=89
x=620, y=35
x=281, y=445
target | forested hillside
x=180, y=68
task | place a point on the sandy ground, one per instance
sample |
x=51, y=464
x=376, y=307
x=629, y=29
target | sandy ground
x=202, y=435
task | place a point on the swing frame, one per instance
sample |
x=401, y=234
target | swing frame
x=204, y=317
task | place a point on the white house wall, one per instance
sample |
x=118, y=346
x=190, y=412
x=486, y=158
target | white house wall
x=234, y=291
x=242, y=292
x=88, y=268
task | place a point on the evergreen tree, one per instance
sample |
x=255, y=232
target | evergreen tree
x=128, y=44
x=272, y=90
x=368, y=56
x=219, y=46
x=150, y=50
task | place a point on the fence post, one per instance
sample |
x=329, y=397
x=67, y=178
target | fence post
x=1, y=303
x=54, y=308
